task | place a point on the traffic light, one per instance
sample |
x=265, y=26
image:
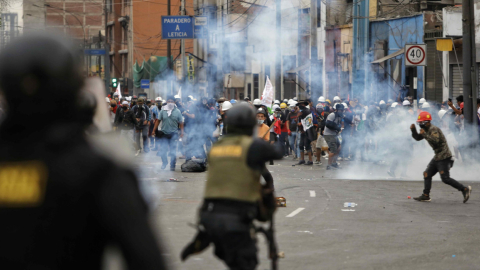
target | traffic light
x=114, y=82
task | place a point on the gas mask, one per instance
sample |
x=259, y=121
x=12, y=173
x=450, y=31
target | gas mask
x=423, y=125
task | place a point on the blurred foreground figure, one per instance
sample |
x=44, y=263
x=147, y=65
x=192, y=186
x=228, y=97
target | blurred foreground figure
x=61, y=202
x=441, y=162
x=234, y=196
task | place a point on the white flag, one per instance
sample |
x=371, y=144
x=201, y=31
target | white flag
x=267, y=96
x=307, y=122
x=118, y=92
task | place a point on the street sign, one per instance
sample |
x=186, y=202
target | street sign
x=177, y=27
x=201, y=26
x=95, y=51
x=415, y=55
x=145, y=84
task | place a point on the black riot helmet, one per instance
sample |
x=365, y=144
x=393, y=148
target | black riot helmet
x=241, y=120
x=40, y=78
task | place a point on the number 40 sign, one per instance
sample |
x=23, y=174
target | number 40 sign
x=415, y=55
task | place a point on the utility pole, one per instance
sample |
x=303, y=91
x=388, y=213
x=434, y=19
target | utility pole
x=182, y=53
x=107, y=52
x=315, y=71
x=278, y=52
x=169, y=55
x=467, y=61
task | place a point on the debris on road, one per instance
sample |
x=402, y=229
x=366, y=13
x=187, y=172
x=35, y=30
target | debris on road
x=281, y=201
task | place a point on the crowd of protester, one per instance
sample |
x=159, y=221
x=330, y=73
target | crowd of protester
x=310, y=131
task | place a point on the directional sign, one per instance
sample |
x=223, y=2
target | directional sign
x=95, y=51
x=177, y=27
x=201, y=26
x=145, y=84
x=415, y=55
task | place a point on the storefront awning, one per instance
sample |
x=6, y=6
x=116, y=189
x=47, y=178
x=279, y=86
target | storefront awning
x=383, y=59
x=306, y=65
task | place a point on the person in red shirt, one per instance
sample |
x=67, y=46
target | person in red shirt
x=282, y=129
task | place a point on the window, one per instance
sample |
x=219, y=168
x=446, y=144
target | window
x=110, y=33
x=109, y=6
x=255, y=86
x=319, y=13
x=249, y=90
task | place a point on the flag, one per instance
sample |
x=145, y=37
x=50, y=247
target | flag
x=118, y=92
x=307, y=122
x=267, y=96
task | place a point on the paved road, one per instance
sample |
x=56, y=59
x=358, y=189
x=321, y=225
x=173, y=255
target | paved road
x=385, y=230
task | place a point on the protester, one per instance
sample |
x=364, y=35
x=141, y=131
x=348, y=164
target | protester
x=171, y=130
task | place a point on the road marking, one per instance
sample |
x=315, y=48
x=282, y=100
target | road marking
x=312, y=193
x=294, y=213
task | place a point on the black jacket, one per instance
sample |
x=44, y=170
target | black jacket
x=69, y=203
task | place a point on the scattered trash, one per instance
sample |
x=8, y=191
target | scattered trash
x=409, y=197
x=172, y=180
x=453, y=256
x=349, y=204
x=281, y=254
x=348, y=210
x=309, y=232
x=281, y=201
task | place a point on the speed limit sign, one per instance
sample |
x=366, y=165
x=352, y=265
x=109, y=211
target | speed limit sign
x=415, y=55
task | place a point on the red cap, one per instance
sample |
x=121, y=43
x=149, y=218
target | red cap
x=424, y=116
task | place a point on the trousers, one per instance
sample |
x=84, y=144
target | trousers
x=442, y=166
x=168, y=144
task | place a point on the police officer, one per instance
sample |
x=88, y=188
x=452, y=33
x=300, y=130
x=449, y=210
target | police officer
x=61, y=203
x=229, y=207
x=441, y=162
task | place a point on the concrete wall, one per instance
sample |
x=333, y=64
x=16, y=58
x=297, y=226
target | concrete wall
x=34, y=16
x=452, y=26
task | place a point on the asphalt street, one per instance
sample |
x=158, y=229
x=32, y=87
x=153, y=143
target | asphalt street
x=384, y=229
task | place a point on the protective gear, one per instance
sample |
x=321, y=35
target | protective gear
x=277, y=102
x=257, y=102
x=394, y=104
x=295, y=99
x=336, y=98
x=226, y=106
x=321, y=99
x=285, y=101
x=283, y=106
x=425, y=105
x=290, y=101
x=421, y=101
x=158, y=99
x=319, y=109
x=177, y=97
x=345, y=106
x=220, y=100
x=441, y=113
x=275, y=107
x=424, y=116
x=260, y=121
x=169, y=107
x=233, y=101
x=328, y=101
x=262, y=111
x=42, y=73
x=381, y=102
x=406, y=103
x=339, y=106
x=241, y=119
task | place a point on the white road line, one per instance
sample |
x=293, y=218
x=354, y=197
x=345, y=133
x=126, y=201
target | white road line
x=294, y=213
x=312, y=193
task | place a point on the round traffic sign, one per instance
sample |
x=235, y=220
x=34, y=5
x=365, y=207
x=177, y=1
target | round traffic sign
x=415, y=55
